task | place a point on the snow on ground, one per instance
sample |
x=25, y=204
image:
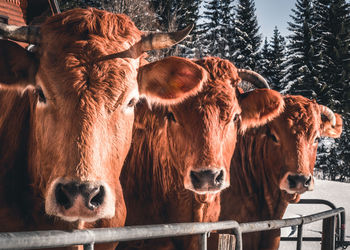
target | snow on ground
x=336, y=192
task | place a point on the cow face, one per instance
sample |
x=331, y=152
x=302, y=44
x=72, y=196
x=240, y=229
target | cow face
x=82, y=110
x=292, y=140
x=202, y=130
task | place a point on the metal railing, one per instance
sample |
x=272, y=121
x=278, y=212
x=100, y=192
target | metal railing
x=339, y=226
x=89, y=237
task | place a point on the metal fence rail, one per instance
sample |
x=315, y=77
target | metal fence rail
x=55, y=238
x=340, y=226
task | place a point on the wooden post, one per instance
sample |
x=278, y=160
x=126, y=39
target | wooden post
x=227, y=242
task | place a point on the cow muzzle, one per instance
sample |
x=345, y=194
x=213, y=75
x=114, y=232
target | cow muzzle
x=75, y=200
x=297, y=183
x=205, y=181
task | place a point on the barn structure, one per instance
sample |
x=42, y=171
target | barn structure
x=23, y=12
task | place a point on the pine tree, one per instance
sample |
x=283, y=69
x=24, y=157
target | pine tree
x=303, y=61
x=228, y=29
x=248, y=39
x=265, y=62
x=277, y=57
x=211, y=40
x=217, y=32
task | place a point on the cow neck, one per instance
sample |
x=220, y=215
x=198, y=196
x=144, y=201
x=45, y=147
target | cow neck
x=253, y=174
x=15, y=189
x=150, y=169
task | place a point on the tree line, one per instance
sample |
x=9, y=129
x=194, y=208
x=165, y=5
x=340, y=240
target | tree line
x=313, y=61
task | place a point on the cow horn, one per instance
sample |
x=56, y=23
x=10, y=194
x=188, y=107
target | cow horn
x=329, y=114
x=153, y=41
x=254, y=78
x=28, y=34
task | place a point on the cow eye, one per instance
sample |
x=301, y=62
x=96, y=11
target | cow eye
x=236, y=117
x=132, y=102
x=170, y=116
x=41, y=97
x=317, y=140
x=272, y=136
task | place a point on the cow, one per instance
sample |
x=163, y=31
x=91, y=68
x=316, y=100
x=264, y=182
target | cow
x=273, y=165
x=67, y=112
x=180, y=155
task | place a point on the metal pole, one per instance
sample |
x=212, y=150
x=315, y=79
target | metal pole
x=300, y=236
x=89, y=246
x=328, y=231
x=203, y=241
x=239, y=242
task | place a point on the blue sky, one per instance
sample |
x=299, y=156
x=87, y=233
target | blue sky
x=273, y=13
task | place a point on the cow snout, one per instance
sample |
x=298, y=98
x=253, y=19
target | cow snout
x=297, y=183
x=92, y=195
x=73, y=200
x=206, y=181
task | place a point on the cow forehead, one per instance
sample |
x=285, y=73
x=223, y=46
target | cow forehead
x=301, y=115
x=218, y=95
x=72, y=42
x=216, y=100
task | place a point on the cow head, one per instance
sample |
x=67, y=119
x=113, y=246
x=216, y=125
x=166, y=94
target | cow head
x=83, y=82
x=292, y=140
x=201, y=131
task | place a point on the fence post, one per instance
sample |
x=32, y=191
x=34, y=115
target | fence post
x=328, y=234
x=227, y=242
x=300, y=236
x=239, y=242
x=89, y=246
x=203, y=241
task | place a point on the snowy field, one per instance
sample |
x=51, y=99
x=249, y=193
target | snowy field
x=336, y=192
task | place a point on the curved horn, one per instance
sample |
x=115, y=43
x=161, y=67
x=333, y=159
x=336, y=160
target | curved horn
x=27, y=34
x=151, y=41
x=164, y=40
x=254, y=78
x=328, y=113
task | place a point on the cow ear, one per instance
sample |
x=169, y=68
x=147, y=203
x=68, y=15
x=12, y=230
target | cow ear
x=259, y=107
x=328, y=130
x=170, y=80
x=17, y=65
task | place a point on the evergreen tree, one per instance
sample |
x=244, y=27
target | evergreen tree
x=277, y=57
x=265, y=62
x=335, y=34
x=217, y=31
x=228, y=29
x=303, y=61
x=211, y=40
x=248, y=39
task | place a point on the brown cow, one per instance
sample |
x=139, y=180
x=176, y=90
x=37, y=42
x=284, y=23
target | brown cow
x=180, y=155
x=64, y=138
x=272, y=165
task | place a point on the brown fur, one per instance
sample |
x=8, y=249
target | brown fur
x=82, y=132
x=162, y=151
x=259, y=163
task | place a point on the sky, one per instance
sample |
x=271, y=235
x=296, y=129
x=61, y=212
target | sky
x=273, y=13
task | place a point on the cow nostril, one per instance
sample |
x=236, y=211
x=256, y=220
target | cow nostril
x=65, y=194
x=95, y=198
x=219, y=178
x=291, y=181
x=195, y=178
x=307, y=182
